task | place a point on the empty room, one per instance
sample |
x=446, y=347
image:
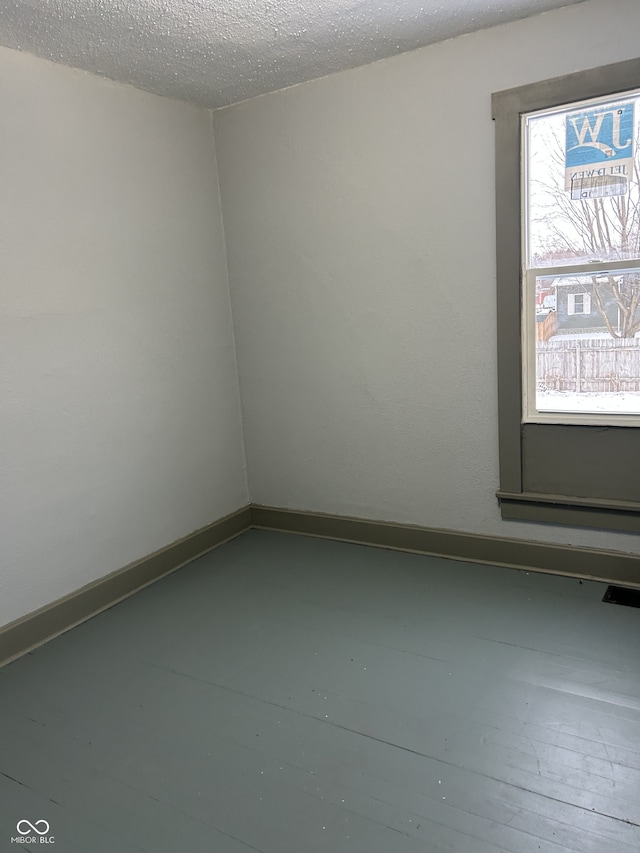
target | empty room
x=320, y=426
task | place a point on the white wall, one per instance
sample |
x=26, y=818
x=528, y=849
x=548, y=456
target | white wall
x=359, y=214
x=119, y=412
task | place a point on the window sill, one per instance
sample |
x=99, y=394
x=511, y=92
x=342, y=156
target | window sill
x=574, y=511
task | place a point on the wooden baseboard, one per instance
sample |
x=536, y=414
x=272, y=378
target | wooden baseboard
x=586, y=563
x=36, y=628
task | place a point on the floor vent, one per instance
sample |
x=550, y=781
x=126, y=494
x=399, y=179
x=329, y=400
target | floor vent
x=622, y=595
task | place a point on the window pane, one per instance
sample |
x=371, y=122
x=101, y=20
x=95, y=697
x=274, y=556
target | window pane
x=583, y=168
x=587, y=351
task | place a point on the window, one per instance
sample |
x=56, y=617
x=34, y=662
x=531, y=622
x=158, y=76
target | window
x=568, y=270
x=578, y=303
x=581, y=226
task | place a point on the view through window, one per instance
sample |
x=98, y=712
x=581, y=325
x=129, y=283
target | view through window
x=581, y=281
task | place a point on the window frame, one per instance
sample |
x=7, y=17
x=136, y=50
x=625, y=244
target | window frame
x=532, y=486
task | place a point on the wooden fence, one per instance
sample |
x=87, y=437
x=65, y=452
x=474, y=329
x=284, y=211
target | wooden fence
x=547, y=326
x=589, y=364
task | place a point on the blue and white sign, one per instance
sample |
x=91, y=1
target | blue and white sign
x=599, y=147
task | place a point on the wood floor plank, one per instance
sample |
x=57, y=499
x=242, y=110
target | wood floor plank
x=290, y=694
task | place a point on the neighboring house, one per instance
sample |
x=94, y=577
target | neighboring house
x=576, y=305
x=578, y=311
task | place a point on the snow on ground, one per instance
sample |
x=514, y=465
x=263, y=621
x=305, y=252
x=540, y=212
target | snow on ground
x=619, y=403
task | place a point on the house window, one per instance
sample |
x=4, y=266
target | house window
x=578, y=303
x=568, y=271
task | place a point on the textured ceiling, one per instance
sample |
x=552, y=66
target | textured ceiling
x=217, y=52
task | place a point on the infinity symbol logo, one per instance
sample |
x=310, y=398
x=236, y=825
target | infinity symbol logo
x=32, y=827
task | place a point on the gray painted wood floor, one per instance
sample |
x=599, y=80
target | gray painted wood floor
x=291, y=695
